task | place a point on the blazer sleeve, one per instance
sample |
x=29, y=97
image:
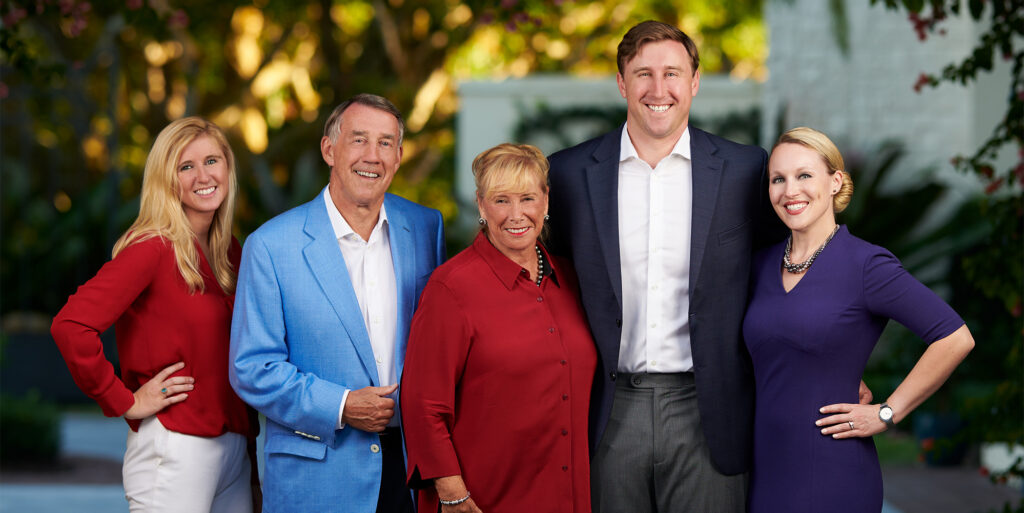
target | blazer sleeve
x=92, y=310
x=769, y=229
x=260, y=370
x=439, y=343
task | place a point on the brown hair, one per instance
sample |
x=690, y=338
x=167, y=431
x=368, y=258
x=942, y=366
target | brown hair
x=651, y=31
x=820, y=143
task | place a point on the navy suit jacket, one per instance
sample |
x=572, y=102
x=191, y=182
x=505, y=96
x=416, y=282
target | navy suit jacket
x=731, y=216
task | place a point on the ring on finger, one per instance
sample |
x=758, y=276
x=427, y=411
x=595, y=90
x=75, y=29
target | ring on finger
x=850, y=422
x=164, y=391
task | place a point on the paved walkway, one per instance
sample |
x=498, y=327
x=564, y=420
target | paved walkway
x=908, y=489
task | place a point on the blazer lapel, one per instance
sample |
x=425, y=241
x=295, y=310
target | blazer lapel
x=603, y=186
x=707, y=175
x=328, y=266
x=403, y=256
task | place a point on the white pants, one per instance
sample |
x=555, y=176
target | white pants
x=170, y=472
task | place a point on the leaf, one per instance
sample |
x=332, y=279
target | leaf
x=913, y=5
x=977, y=7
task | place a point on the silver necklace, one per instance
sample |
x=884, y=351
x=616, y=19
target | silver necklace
x=799, y=268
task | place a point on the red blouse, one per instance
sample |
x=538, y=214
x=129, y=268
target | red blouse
x=496, y=385
x=158, y=323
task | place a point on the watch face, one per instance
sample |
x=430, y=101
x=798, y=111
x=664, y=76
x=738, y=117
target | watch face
x=885, y=413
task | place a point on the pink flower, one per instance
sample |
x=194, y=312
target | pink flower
x=994, y=186
x=922, y=80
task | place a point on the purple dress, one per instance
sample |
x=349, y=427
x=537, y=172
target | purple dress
x=809, y=348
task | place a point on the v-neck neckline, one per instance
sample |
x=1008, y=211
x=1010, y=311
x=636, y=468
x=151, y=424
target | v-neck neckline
x=780, y=272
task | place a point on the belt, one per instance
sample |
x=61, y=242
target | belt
x=655, y=380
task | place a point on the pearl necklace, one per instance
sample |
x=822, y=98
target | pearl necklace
x=540, y=265
x=799, y=268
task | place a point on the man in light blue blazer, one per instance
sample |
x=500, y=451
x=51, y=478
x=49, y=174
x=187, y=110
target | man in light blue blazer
x=325, y=295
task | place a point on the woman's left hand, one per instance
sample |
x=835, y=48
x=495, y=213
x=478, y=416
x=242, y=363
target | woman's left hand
x=851, y=420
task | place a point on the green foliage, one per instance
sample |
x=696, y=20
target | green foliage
x=29, y=429
x=989, y=286
x=86, y=86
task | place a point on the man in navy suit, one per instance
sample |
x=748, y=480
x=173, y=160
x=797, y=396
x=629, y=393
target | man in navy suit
x=660, y=219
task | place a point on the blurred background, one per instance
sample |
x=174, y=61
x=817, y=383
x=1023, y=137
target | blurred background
x=924, y=98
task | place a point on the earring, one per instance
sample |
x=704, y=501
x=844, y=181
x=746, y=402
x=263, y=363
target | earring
x=547, y=217
x=481, y=221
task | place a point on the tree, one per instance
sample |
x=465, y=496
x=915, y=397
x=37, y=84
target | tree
x=992, y=273
x=86, y=86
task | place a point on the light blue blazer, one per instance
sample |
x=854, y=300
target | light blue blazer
x=298, y=341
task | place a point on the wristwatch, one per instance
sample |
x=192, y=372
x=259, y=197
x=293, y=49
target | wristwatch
x=885, y=413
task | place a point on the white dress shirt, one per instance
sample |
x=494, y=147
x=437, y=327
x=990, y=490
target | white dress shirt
x=654, y=250
x=372, y=273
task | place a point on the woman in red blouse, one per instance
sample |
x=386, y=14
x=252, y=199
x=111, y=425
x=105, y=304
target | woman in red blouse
x=500, y=361
x=168, y=291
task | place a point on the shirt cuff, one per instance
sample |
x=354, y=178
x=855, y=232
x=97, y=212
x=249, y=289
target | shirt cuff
x=341, y=409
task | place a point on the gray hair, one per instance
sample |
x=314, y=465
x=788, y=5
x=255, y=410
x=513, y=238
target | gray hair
x=333, y=126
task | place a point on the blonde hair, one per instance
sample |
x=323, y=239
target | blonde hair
x=820, y=143
x=510, y=167
x=161, y=213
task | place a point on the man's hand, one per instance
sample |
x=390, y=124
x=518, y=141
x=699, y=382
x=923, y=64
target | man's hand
x=369, y=409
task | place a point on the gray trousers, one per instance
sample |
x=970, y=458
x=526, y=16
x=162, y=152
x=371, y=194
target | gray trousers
x=653, y=458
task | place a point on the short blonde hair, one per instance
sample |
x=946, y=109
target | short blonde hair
x=510, y=167
x=161, y=213
x=820, y=143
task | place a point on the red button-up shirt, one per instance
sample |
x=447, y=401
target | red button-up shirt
x=497, y=383
x=158, y=323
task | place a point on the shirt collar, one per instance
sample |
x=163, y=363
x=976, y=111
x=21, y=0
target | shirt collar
x=338, y=223
x=503, y=267
x=627, y=150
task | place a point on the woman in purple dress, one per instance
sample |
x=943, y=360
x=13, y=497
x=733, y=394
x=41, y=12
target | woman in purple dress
x=820, y=301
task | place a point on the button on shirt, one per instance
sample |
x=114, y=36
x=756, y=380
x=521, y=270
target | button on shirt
x=654, y=251
x=372, y=273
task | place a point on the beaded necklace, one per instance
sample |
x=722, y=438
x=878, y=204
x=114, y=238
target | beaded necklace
x=540, y=265
x=799, y=268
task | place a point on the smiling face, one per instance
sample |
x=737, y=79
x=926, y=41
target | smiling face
x=203, y=181
x=514, y=219
x=801, y=188
x=364, y=158
x=658, y=84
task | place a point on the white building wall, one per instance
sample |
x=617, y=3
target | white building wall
x=867, y=97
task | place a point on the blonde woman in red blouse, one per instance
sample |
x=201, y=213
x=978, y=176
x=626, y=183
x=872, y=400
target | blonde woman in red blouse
x=168, y=291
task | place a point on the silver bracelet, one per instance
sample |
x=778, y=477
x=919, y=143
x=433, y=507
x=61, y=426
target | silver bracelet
x=455, y=502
